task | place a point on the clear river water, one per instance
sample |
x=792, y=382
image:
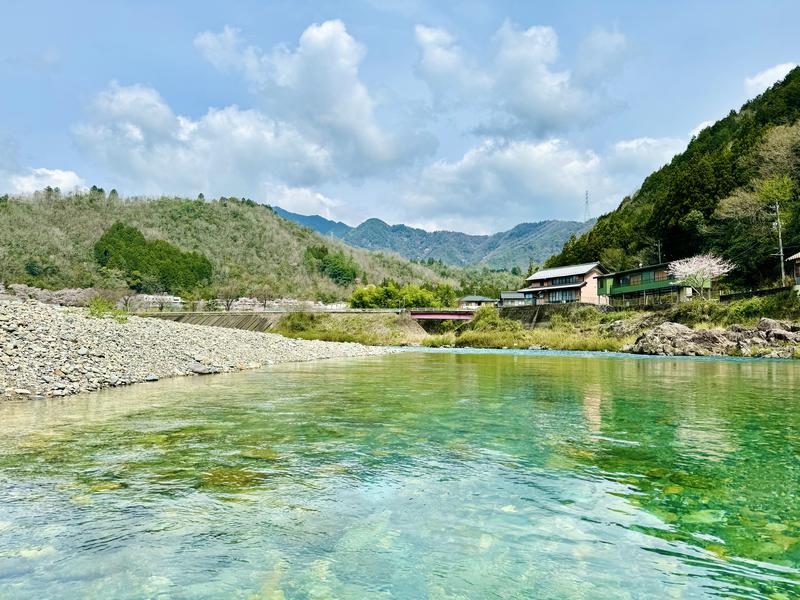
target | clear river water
x=437, y=475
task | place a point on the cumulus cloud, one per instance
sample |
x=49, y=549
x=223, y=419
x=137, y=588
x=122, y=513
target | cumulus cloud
x=317, y=88
x=500, y=183
x=521, y=83
x=228, y=151
x=761, y=81
x=642, y=155
x=445, y=69
x=31, y=180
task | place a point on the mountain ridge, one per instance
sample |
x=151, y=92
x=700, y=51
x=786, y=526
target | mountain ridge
x=516, y=247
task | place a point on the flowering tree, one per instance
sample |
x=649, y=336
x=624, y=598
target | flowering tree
x=699, y=271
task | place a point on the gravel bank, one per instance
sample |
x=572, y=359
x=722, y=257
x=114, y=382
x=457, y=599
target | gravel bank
x=50, y=350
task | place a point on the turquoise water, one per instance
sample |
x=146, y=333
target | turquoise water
x=419, y=475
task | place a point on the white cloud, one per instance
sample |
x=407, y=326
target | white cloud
x=761, y=81
x=302, y=200
x=700, y=127
x=226, y=151
x=521, y=84
x=496, y=184
x=317, y=88
x=443, y=66
x=40, y=178
x=642, y=155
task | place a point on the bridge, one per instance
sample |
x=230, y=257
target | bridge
x=442, y=314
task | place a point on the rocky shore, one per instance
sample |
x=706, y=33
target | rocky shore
x=48, y=350
x=768, y=339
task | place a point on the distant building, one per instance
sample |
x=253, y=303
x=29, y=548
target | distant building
x=642, y=286
x=476, y=301
x=573, y=283
x=513, y=299
x=794, y=273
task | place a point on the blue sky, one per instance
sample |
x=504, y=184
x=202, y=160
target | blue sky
x=472, y=115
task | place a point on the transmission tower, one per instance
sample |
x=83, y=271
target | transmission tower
x=586, y=207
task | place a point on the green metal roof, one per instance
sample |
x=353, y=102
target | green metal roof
x=636, y=270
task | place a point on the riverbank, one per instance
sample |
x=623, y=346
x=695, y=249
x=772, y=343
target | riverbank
x=48, y=350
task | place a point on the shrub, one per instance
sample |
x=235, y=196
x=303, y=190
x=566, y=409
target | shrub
x=296, y=322
x=100, y=307
x=488, y=319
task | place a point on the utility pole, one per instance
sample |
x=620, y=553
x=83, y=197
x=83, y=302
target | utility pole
x=658, y=246
x=586, y=207
x=780, y=242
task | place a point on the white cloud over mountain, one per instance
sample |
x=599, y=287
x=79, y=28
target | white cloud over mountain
x=137, y=135
x=31, y=180
x=500, y=182
x=764, y=79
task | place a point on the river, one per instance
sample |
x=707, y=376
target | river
x=417, y=475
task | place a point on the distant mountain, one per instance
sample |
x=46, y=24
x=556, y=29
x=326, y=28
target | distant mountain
x=507, y=249
x=315, y=222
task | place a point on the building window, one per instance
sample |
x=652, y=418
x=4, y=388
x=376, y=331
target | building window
x=563, y=296
x=562, y=280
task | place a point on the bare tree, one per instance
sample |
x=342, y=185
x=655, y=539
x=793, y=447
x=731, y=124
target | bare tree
x=263, y=293
x=699, y=271
x=229, y=293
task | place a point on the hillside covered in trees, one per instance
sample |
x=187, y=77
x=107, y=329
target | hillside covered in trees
x=719, y=196
x=183, y=246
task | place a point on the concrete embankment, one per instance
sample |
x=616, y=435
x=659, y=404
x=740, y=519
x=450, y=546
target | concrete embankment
x=50, y=350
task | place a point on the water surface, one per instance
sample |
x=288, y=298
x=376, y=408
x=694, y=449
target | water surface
x=418, y=475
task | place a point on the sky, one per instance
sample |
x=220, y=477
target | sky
x=471, y=116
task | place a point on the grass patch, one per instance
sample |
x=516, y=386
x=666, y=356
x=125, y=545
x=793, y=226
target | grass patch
x=368, y=329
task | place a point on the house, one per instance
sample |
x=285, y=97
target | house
x=573, y=283
x=513, y=299
x=650, y=285
x=476, y=301
x=794, y=272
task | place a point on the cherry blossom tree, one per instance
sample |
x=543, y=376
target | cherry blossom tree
x=699, y=271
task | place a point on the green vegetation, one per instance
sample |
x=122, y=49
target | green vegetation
x=370, y=329
x=341, y=269
x=100, y=307
x=785, y=305
x=150, y=266
x=489, y=330
x=48, y=240
x=391, y=295
x=719, y=196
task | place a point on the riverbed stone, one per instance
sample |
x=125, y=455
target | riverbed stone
x=770, y=338
x=56, y=351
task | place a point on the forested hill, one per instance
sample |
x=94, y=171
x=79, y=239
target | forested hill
x=718, y=195
x=516, y=247
x=51, y=240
